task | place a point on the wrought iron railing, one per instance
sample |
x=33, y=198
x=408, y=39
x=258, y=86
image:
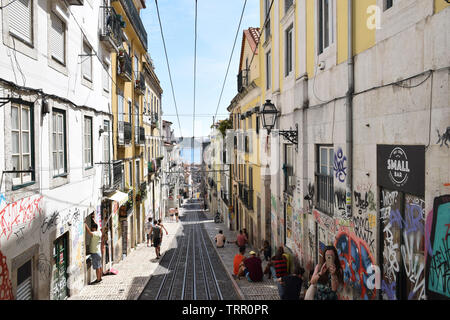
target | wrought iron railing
x=111, y=29
x=124, y=68
x=135, y=20
x=141, y=135
x=325, y=193
x=127, y=132
x=112, y=176
x=139, y=83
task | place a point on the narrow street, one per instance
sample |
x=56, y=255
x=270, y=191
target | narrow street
x=192, y=270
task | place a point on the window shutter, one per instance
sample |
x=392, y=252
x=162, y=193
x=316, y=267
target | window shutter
x=20, y=19
x=87, y=64
x=57, y=32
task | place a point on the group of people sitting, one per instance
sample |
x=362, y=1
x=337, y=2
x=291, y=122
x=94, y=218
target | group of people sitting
x=324, y=281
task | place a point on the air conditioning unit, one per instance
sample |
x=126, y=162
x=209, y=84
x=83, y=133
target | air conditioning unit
x=75, y=2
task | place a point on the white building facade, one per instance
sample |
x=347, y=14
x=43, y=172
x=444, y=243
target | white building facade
x=56, y=131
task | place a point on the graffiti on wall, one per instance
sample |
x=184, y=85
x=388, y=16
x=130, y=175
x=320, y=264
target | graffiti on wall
x=444, y=137
x=19, y=213
x=357, y=263
x=5, y=281
x=310, y=197
x=340, y=203
x=438, y=258
x=340, y=169
x=404, y=235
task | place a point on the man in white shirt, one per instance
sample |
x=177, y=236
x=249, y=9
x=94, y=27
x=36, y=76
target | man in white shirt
x=220, y=239
x=96, y=255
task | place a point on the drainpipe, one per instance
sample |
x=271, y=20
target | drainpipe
x=349, y=109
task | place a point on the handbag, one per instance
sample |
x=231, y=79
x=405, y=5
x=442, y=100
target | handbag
x=309, y=295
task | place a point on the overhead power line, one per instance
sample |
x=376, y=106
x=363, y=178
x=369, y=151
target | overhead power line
x=168, y=66
x=231, y=56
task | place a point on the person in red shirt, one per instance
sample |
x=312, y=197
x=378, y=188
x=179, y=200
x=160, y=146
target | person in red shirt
x=241, y=239
x=253, y=268
x=237, y=263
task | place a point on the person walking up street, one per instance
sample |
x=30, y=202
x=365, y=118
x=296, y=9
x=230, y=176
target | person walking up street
x=267, y=250
x=94, y=247
x=164, y=228
x=156, y=233
x=176, y=214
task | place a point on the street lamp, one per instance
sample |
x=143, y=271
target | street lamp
x=269, y=117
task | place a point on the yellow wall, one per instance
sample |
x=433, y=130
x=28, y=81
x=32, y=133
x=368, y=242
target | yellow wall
x=440, y=5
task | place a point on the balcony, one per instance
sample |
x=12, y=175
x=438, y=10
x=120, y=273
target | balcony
x=142, y=192
x=124, y=69
x=75, y=2
x=135, y=20
x=124, y=133
x=141, y=137
x=112, y=176
x=139, y=83
x=154, y=120
x=242, y=80
x=111, y=28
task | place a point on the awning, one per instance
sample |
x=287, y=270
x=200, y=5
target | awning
x=119, y=197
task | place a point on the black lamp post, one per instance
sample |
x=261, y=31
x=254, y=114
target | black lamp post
x=269, y=117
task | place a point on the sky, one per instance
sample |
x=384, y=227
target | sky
x=217, y=22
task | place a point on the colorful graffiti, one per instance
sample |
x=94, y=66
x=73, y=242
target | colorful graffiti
x=357, y=263
x=404, y=234
x=5, y=281
x=21, y=212
x=339, y=165
x=438, y=258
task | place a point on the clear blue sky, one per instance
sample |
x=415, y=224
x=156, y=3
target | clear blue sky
x=216, y=29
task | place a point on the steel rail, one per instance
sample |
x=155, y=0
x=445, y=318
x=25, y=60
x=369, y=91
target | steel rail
x=219, y=292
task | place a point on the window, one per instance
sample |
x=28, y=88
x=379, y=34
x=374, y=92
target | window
x=22, y=143
x=287, y=5
x=288, y=51
x=136, y=123
x=388, y=4
x=136, y=66
x=86, y=64
x=324, y=179
x=325, y=20
x=59, y=142
x=130, y=174
x=20, y=15
x=137, y=173
x=88, y=161
x=268, y=70
x=105, y=76
x=257, y=125
x=106, y=153
x=267, y=16
x=58, y=39
x=130, y=111
x=288, y=167
x=120, y=110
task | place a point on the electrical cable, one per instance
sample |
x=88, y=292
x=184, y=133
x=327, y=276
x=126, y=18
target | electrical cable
x=195, y=69
x=229, y=62
x=168, y=66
